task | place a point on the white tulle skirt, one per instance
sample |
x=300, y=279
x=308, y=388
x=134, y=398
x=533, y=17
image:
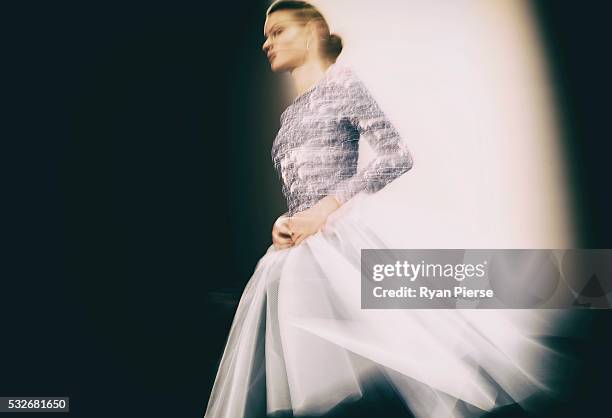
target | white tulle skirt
x=300, y=341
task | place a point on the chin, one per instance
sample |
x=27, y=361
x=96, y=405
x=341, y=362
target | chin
x=276, y=68
x=279, y=67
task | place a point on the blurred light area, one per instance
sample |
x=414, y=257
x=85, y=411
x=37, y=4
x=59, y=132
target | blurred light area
x=466, y=84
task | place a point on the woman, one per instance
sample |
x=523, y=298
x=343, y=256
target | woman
x=299, y=342
x=316, y=149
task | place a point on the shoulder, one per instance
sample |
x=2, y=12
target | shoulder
x=345, y=89
x=343, y=77
x=342, y=84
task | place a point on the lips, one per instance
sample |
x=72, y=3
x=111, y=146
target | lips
x=271, y=56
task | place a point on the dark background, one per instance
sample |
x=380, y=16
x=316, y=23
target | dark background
x=141, y=193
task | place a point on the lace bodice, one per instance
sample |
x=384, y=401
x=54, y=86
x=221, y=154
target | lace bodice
x=316, y=149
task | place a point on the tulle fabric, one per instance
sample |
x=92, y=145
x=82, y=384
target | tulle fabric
x=300, y=341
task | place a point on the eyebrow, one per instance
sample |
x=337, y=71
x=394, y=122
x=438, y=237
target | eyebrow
x=279, y=23
x=271, y=29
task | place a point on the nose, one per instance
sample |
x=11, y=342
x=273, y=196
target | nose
x=266, y=46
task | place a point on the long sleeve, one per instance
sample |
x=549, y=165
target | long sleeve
x=392, y=158
x=316, y=150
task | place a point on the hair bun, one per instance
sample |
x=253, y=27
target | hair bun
x=333, y=46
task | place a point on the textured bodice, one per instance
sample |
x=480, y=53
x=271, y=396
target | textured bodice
x=316, y=149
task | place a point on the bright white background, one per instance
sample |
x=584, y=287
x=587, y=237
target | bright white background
x=466, y=84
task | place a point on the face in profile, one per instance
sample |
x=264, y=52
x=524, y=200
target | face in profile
x=286, y=40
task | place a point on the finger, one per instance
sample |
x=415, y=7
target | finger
x=284, y=229
x=283, y=226
x=278, y=233
x=283, y=237
x=282, y=241
x=279, y=229
x=289, y=228
x=300, y=239
x=284, y=246
x=280, y=236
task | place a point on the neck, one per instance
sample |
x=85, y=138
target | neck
x=308, y=74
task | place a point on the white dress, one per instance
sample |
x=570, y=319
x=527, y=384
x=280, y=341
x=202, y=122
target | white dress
x=300, y=341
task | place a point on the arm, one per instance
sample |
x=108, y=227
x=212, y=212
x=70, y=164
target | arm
x=392, y=158
x=351, y=101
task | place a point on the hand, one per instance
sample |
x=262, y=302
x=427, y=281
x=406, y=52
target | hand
x=310, y=221
x=281, y=235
